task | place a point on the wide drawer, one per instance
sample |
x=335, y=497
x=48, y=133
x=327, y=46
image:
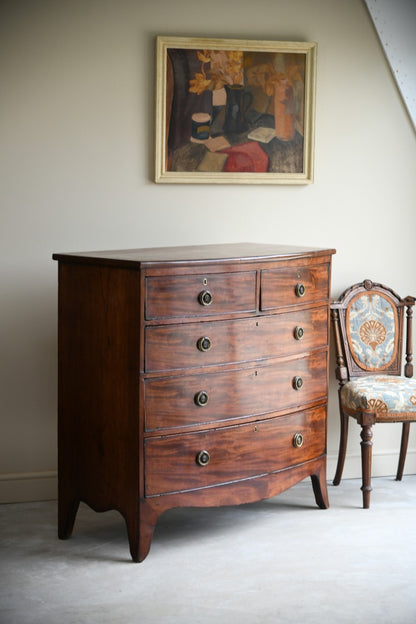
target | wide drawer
x=200, y=399
x=197, y=460
x=208, y=343
x=200, y=295
x=293, y=285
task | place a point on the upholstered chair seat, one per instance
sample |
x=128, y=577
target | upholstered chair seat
x=380, y=394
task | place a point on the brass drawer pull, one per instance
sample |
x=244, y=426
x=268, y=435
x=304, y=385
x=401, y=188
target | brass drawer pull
x=204, y=343
x=297, y=383
x=299, y=333
x=205, y=298
x=297, y=440
x=300, y=290
x=203, y=458
x=201, y=398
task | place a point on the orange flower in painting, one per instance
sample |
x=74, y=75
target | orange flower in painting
x=266, y=76
x=199, y=84
x=225, y=68
x=260, y=75
x=204, y=56
x=235, y=56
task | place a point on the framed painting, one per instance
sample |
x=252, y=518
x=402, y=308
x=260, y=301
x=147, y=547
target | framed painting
x=234, y=111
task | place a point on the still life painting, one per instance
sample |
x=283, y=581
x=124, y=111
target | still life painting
x=233, y=111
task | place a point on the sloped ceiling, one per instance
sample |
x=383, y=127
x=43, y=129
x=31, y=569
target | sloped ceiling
x=395, y=23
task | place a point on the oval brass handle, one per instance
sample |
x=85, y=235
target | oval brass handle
x=297, y=440
x=203, y=458
x=300, y=289
x=299, y=333
x=201, y=398
x=204, y=343
x=205, y=298
x=297, y=383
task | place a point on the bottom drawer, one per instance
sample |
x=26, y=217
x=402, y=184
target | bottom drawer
x=196, y=460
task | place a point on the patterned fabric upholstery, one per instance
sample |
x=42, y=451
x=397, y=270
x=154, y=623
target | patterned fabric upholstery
x=380, y=393
x=372, y=331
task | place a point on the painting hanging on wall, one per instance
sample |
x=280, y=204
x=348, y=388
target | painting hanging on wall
x=234, y=111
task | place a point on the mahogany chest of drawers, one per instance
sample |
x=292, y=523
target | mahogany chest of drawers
x=190, y=376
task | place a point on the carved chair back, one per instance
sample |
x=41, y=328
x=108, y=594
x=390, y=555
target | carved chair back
x=368, y=322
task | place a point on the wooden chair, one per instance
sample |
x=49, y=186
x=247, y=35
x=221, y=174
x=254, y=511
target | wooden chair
x=368, y=323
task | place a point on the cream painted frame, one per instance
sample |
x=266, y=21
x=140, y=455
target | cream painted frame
x=162, y=175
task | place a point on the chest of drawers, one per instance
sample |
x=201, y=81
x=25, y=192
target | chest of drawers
x=190, y=376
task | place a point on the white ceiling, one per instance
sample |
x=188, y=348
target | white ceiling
x=395, y=22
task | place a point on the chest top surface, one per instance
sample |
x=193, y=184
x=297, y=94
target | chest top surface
x=233, y=252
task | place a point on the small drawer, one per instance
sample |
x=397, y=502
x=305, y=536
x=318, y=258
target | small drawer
x=200, y=295
x=294, y=285
x=171, y=347
x=208, y=458
x=187, y=400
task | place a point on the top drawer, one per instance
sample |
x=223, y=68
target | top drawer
x=293, y=285
x=200, y=295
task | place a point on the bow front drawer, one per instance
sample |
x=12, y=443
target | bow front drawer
x=196, y=460
x=171, y=347
x=214, y=397
x=294, y=285
x=173, y=296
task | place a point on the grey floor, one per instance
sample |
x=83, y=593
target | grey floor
x=281, y=561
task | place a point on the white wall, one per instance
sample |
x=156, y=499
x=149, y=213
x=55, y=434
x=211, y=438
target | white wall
x=76, y=127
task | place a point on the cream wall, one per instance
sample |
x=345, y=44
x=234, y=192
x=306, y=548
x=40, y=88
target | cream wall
x=77, y=109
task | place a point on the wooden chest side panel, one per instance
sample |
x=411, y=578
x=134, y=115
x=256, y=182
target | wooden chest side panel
x=98, y=385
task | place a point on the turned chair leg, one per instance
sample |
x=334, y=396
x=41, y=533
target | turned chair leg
x=403, y=450
x=343, y=439
x=366, y=454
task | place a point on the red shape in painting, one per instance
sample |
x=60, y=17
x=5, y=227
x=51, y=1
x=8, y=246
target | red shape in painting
x=247, y=157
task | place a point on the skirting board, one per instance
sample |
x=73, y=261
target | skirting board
x=24, y=487
x=36, y=486
x=384, y=464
